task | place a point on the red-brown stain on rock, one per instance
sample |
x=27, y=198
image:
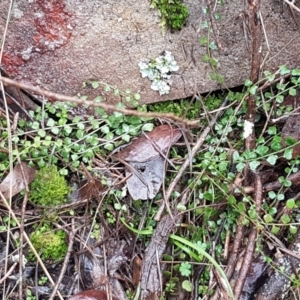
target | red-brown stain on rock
x=11, y=62
x=43, y=26
x=52, y=25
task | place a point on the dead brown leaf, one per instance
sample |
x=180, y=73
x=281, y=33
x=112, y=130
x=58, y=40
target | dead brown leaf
x=17, y=180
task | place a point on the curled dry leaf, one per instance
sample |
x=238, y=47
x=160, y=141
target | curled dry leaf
x=144, y=159
x=17, y=180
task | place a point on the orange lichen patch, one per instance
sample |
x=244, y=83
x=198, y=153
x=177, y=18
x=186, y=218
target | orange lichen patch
x=11, y=62
x=52, y=25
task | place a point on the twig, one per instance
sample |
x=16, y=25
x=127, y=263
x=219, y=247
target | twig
x=251, y=241
x=255, y=27
x=213, y=24
x=234, y=253
x=291, y=4
x=66, y=260
x=105, y=106
x=8, y=273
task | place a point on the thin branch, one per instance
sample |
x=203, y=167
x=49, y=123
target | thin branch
x=213, y=24
x=255, y=27
x=292, y=5
x=107, y=107
x=258, y=196
x=66, y=260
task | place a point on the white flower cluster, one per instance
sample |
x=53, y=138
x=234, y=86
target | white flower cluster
x=159, y=71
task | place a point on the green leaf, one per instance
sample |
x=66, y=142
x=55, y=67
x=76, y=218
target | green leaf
x=240, y=167
x=272, y=130
x=105, y=129
x=80, y=126
x=279, y=98
x=290, y=204
x=109, y=136
x=231, y=199
x=284, y=70
x=288, y=153
x=205, y=58
x=276, y=143
x=95, y=84
x=252, y=214
x=262, y=150
x=213, y=75
x=137, y=96
x=268, y=218
x=35, y=125
x=107, y=88
x=213, y=45
x=272, y=159
x=241, y=207
x=50, y=122
x=117, y=206
x=296, y=72
x=185, y=269
x=217, y=16
x=248, y=83
x=55, y=130
x=203, y=41
x=220, y=78
x=269, y=75
x=76, y=119
x=252, y=89
x=187, y=285
x=292, y=91
x=98, y=99
x=208, y=196
x=273, y=210
x=181, y=207
x=67, y=129
x=275, y=229
x=293, y=229
x=42, y=133
x=63, y=172
x=126, y=138
x=285, y=219
x=109, y=146
x=254, y=164
x=79, y=134
x=148, y=127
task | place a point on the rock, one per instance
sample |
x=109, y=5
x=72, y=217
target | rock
x=59, y=44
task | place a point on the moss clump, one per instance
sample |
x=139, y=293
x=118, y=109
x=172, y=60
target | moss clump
x=49, y=188
x=173, y=13
x=181, y=108
x=49, y=243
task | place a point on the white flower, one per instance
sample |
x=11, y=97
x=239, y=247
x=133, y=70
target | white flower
x=248, y=129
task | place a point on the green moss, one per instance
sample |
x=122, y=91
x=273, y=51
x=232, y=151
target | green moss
x=181, y=108
x=212, y=102
x=49, y=188
x=173, y=13
x=50, y=244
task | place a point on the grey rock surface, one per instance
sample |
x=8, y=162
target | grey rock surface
x=59, y=44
